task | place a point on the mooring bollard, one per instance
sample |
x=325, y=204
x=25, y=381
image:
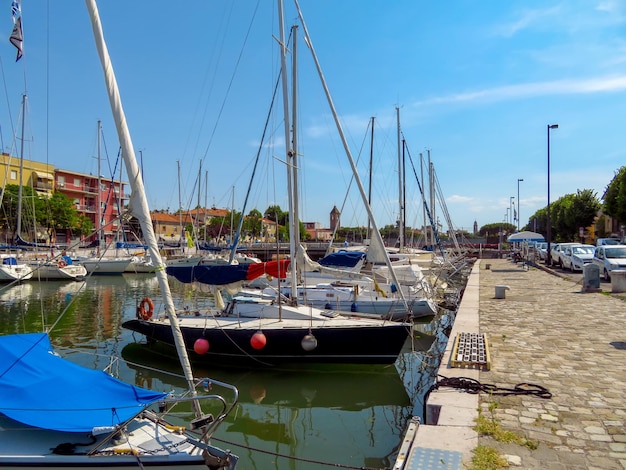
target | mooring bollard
x=501, y=291
x=487, y=266
x=618, y=280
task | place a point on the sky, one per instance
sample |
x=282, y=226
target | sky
x=474, y=84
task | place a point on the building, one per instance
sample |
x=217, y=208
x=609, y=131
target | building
x=39, y=176
x=170, y=228
x=100, y=199
x=335, y=219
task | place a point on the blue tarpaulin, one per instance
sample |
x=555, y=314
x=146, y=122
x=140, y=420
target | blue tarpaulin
x=342, y=259
x=41, y=389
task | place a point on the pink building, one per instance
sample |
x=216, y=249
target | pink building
x=98, y=198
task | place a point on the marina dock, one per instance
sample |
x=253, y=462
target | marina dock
x=541, y=330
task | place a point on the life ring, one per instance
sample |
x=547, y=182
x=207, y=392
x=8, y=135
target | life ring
x=145, y=309
x=62, y=263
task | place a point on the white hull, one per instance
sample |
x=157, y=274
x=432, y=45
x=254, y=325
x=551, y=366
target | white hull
x=26, y=447
x=105, y=265
x=55, y=272
x=11, y=270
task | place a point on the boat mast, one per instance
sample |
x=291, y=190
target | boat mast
x=355, y=172
x=138, y=194
x=369, y=189
x=99, y=193
x=289, y=152
x=400, y=184
x=19, y=191
x=181, y=242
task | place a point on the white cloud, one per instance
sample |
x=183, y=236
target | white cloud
x=526, y=90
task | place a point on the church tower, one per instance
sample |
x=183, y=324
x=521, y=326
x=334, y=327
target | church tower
x=335, y=223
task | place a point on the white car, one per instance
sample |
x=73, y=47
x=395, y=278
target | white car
x=556, y=252
x=541, y=249
x=610, y=258
x=575, y=257
x=607, y=241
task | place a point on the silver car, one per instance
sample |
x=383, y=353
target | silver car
x=575, y=257
x=610, y=258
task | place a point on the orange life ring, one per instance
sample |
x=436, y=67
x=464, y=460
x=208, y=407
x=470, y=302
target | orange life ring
x=62, y=263
x=145, y=309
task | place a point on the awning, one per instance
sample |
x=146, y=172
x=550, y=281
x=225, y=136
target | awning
x=43, y=175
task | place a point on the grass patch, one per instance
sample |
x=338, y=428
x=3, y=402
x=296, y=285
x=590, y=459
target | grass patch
x=490, y=426
x=487, y=458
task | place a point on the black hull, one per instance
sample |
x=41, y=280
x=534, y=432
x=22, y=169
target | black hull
x=350, y=345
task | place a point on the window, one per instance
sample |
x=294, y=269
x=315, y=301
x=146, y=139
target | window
x=13, y=175
x=77, y=182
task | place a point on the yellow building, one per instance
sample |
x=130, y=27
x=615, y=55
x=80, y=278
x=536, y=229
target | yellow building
x=39, y=176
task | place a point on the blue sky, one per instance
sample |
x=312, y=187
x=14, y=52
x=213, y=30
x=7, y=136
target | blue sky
x=476, y=83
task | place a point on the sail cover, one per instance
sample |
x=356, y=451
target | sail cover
x=342, y=259
x=41, y=389
x=223, y=274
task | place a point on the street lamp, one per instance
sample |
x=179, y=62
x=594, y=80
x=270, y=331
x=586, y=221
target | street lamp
x=519, y=203
x=549, y=223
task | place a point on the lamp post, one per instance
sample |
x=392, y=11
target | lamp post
x=549, y=223
x=519, y=203
x=511, y=208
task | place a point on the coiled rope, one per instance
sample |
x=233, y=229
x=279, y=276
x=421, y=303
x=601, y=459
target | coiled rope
x=474, y=386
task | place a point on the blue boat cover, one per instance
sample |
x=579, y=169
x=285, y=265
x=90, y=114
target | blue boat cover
x=222, y=274
x=41, y=389
x=342, y=259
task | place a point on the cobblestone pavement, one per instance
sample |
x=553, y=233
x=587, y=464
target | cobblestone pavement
x=547, y=332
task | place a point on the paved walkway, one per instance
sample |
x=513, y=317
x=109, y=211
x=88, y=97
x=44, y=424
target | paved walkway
x=547, y=332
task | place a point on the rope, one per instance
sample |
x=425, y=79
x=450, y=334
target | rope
x=291, y=457
x=474, y=386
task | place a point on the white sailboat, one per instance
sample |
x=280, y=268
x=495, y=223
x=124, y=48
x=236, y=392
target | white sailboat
x=55, y=414
x=100, y=262
x=268, y=332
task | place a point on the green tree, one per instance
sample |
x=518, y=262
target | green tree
x=252, y=224
x=615, y=196
x=276, y=214
x=60, y=214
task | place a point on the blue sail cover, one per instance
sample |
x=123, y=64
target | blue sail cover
x=41, y=389
x=222, y=274
x=342, y=259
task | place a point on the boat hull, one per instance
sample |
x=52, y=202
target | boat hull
x=230, y=340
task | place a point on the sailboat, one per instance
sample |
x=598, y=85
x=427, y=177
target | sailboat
x=267, y=332
x=99, y=263
x=55, y=414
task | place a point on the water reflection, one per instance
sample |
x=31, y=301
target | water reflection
x=285, y=419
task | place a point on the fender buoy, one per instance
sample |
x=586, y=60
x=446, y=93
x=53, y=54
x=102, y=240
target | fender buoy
x=145, y=309
x=62, y=263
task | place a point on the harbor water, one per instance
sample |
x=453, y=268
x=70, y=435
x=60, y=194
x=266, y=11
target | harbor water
x=286, y=418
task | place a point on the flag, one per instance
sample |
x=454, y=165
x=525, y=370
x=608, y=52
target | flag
x=514, y=215
x=190, y=243
x=16, y=37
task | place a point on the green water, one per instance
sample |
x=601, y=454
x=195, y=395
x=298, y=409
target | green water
x=351, y=417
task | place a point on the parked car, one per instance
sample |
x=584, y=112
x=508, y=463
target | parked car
x=607, y=241
x=541, y=250
x=556, y=253
x=610, y=258
x=576, y=256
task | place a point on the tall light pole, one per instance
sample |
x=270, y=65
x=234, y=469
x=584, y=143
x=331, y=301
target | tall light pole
x=549, y=222
x=519, y=203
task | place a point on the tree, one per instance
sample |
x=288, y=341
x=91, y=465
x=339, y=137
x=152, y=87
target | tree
x=252, y=224
x=615, y=196
x=60, y=214
x=30, y=202
x=276, y=214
